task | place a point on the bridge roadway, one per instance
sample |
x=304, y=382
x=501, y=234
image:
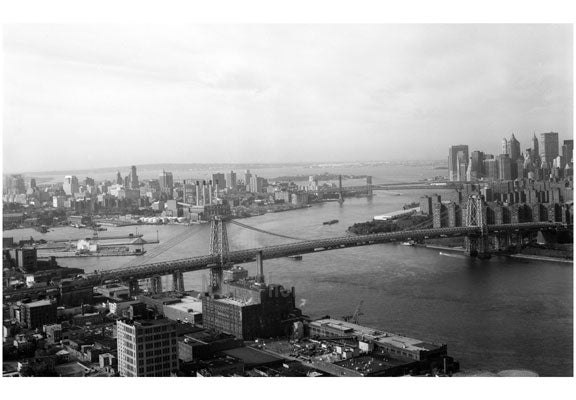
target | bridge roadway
x=284, y=250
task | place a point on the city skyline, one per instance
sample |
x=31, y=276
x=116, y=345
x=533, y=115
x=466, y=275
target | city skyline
x=262, y=93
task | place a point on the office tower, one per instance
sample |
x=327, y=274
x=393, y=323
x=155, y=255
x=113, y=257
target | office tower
x=568, y=150
x=535, y=148
x=166, y=182
x=33, y=181
x=126, y=182
x=71, y=185
x=504, y=167
x=134, y=183
x=247, y=178
x=219, y=180
x=491, y=169
x=520, y=172
x=476, y=165
x=147, y=347
x=513, y=149
x=504, y=147
x=119, y=180
x=14, y=184
x=462, y=166
x=231, y=180
x=548, y=146
x=453, y=165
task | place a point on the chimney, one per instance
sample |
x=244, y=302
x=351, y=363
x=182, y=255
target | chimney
x=197, y=193
x=203, y=193
x=210, y=192
x=260, y=264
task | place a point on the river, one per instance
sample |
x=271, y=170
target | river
x=494, y=314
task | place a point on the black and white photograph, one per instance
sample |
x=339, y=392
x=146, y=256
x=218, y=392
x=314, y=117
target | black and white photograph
x=311, y=200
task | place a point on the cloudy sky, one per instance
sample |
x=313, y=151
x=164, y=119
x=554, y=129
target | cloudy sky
x=86, y=96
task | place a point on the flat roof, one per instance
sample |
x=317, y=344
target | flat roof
x=188, y=304
x=38, y=303
x=378, y=336
x=252, y=357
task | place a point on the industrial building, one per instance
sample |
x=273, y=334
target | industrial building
x=248, y=308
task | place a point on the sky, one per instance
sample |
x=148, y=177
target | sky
x=89, y=96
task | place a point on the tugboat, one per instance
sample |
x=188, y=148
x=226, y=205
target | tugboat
x=334, y=221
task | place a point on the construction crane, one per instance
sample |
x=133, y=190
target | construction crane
x=357, y=312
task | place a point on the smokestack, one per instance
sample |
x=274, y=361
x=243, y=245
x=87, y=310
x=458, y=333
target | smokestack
x=203, y=193
x=260, y=264
x=210, y=191
x=197, y=193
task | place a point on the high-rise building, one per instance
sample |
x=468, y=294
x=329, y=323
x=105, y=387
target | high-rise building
x=513, y=149
x=71, y=185
x=453, y=161
x=548, y=146
x=38, y=313
x=134, y=183
x=504, y=147
x=247, y=179
x=476, y=165
x=568, y=150
x=33, y=181
x=231, y=180
x=219, y=180
x=535, y=147
x=504, y=167
x=491, y=169
x=147, y=347
x=14, y=184
x=166, y=182
x=119, y=180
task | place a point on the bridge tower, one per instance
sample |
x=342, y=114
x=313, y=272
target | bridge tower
x=340, y=190
x=219, y=247
x=369, y=186
x=477, y=243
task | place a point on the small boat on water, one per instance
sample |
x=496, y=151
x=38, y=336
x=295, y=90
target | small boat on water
x=409, y=243
x=333, y=221
x=296, y=257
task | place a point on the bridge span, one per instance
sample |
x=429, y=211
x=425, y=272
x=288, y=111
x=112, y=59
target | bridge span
x=306, y=247
x=177, y=267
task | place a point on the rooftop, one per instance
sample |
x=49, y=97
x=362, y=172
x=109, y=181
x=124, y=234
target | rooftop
x=377, y=335
x=38, y=303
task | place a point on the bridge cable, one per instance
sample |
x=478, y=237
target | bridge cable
x=265, y=232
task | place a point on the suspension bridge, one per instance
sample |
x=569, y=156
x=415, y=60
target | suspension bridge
x=480, y=239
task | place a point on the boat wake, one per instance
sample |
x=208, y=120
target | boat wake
x=452, y=255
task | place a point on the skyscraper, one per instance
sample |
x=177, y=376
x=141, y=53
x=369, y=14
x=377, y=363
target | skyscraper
x=247, y=179
x=549, y=146
x=504, y=167
x=453, y=164
x=504, y=147
x=568, y=150
x=513, y=149
x=147, y=347
x=134, y=183
x=219, y=180
x=71, y=185
x=166, y=182
x=231, y=180
x=535, y=147
x=476, y=165
x=119, y=180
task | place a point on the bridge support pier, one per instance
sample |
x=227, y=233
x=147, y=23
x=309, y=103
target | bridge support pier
x=134, y=287
x=178, y=281
x=156, y=284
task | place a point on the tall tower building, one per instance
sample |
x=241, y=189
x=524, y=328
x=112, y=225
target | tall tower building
x=504, y=167
x=535, y=146
x=119, y=180
x=549, y=146
x=247, y=179
x=220, y=180
x=134, y=183
x=504, y=147
x=476, y=165
x=568, y=150
x=166, y=181
x=71, y=185
x=513, y=149
x=453, y=169
x=231, y=180
x=147, y=347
